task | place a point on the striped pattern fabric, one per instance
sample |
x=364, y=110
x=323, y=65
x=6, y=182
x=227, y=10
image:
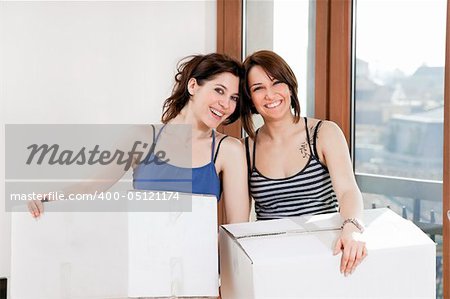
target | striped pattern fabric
x=308, y=192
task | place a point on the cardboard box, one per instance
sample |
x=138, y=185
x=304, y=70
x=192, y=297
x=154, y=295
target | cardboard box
x=115, y=255
x=178, y=256
x=293, y=258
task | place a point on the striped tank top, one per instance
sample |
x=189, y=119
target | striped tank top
x=307, y=192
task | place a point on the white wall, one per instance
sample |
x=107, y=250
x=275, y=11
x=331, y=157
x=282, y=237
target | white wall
x=92, y=62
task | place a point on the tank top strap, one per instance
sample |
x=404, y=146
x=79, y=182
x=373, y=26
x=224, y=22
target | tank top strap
x=154, y=133
x=308, y=139
x=254, y=149
x=155, y=140
x=315, y=138
x=218, y=147
x=213, y=146
x=247, y=155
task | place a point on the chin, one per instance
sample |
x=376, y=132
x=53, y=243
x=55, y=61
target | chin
x=278, y=114
x=274, y=116
x=212, y=124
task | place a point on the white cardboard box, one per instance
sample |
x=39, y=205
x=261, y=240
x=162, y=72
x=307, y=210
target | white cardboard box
x=115, y=255
x=293, y=258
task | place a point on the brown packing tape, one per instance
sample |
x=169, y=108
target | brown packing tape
x=293, y=232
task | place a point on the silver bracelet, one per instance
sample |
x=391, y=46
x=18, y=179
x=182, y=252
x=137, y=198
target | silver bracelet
x=355, y=222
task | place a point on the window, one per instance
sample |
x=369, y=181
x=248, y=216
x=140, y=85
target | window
x=399, y=109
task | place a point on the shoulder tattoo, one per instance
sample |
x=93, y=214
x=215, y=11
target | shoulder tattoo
x=304, y=147
x=304, y=150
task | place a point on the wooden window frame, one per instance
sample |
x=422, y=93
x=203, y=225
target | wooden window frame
x=229, y=41
x=333, y=63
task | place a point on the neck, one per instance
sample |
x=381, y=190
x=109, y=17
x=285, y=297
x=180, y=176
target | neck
x=280, y=128
x=199, y=129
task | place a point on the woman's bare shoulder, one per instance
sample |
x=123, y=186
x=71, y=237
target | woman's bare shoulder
x=323, y=127
x=230, y=146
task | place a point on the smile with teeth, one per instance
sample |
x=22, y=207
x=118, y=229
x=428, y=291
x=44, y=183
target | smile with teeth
x=273, y=104
x=216, y=112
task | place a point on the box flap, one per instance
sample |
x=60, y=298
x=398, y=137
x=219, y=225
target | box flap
x=323, y=222
x=281, y=240
x=333, y=221
x=288, y=248
x=263, y=228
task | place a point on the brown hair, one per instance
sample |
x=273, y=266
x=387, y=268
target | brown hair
x=276, y=68
x=202, y=68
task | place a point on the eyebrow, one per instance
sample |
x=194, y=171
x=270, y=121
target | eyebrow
x=223, y=86
x=255, y=84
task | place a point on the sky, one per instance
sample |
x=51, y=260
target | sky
x=401, y=34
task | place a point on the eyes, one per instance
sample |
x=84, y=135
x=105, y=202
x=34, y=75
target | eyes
x=221, y=91
x=260, y=86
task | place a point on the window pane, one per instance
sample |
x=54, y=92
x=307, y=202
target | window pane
x=287, y=28
x=399, y=107
x=399, y=88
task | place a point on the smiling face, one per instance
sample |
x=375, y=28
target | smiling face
x=271, y=97
x=215, y=100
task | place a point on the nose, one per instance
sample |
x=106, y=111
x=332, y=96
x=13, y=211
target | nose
x=224, y=102
x=270, y=94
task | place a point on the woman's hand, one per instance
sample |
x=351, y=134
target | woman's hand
x=353, y=248
x=36, y=207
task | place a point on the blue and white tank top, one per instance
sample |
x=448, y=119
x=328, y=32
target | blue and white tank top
x=166, y=177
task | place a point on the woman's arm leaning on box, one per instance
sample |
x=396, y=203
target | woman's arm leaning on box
x=333, y=151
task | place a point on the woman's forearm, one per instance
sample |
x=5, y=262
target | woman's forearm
x=351, y=204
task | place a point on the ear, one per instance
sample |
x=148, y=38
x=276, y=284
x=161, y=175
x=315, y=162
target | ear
x=192, y=86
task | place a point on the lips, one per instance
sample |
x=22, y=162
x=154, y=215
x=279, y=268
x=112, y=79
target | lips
x=216, y=113
x=273, y=104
